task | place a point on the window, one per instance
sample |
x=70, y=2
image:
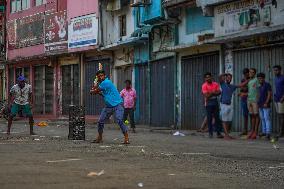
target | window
x=122, y=25
x=18, y=5
x=39, y=2
x=196, y=22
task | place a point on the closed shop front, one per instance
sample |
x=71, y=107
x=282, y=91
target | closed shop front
x=162, y=90
x=41, y=77
x=263, y=59
x=43, y=89
x=70, y=86
x=123, y=73
x=192, y=103
x=94, y=103
x=70, y=83
x=142, y=90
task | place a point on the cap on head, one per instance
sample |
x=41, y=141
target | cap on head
x=21, y=78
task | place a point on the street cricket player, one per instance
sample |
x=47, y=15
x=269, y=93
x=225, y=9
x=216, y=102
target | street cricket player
x=20, y=98
x=113, y=102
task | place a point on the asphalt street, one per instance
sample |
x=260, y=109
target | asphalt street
x=152, y=160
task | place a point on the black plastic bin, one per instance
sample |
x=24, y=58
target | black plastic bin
x=76, y=123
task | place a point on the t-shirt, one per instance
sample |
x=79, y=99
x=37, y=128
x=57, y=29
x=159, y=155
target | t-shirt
x=252, y=90
x=209, y=88
x=244, y=90
x=110, y=93
x=21, y=95
x=263, y=93
x=279, y=88
x=129, y=97
x=227, y=93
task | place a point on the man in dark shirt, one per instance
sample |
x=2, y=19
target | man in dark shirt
x=279, y=96
x=264, y=100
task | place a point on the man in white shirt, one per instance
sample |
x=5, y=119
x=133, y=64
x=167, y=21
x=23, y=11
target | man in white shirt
x=20, y=98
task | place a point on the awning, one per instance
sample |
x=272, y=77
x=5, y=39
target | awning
x=206, y=3
x=125, y=43
x=178, y=3
x=145, y=30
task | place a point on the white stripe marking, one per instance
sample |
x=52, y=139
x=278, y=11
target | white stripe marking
x=64, y=160
x=196, y=153
x=276, y=167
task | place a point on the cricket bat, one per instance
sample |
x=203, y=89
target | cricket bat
x=96, y=82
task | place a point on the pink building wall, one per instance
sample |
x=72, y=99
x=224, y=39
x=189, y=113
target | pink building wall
x=51, y=5
x=77, y=8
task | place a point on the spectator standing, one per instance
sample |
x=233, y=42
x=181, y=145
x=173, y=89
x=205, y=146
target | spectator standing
x=279, y=96
x=264, y=101
x=129, y=102
x=210, y=91
x=227, y=91
x=244, y=105
x=252, y=103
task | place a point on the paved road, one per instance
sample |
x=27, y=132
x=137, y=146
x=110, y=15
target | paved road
x=155, y=160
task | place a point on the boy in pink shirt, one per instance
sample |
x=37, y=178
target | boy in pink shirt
x=129, y=102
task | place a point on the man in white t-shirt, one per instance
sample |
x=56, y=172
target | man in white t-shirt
x=20, y=98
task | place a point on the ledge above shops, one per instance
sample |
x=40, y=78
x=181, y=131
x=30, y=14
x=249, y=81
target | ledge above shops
x=132, y=41
x=174, y=3
x=245, y=34
x=207, y=3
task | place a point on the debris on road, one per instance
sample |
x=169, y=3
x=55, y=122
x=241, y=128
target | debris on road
x=178, y=134
x=92, y=174
x=41, y=124
x=64, y=160
x=171, y=174
x=275, y=146
x=140, y=185
x=37, y=139
x=143, y=150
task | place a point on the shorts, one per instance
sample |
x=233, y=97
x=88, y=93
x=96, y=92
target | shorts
x=253, y=108
x=244, y=106
x=226, y=113
x=25, y=108
x=279, y=107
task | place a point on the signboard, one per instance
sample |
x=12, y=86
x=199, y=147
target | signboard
x=247, y=15
x=83, y=31
x=56, y=33
x=11, y=34
x=29, y=30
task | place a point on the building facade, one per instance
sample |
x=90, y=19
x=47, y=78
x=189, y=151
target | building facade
x=251, y=33
x=47, y=42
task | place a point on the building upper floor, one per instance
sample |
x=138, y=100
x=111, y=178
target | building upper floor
x=45, y=27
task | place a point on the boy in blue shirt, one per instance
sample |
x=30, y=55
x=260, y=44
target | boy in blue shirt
x=264, y=100
x=113, y=103
x=227, y=91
